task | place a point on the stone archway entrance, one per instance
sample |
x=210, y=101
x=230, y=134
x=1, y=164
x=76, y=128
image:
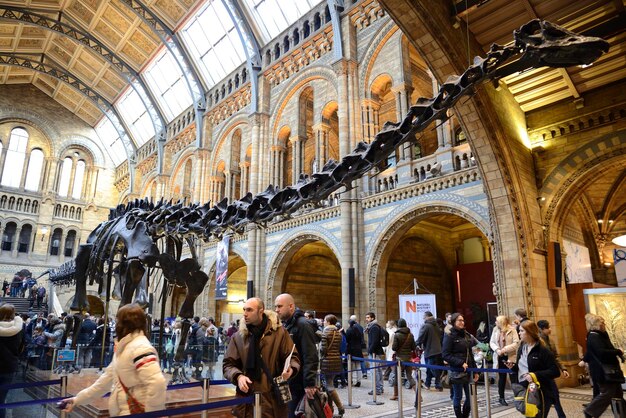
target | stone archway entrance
x=310, y=272
x=447, y=256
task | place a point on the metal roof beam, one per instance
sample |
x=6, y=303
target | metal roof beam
x=251, y=49
x=173, y=44
x=26, y=16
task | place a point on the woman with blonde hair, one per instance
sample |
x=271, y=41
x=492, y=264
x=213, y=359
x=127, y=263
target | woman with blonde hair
x=602, y=354
x=504, y=342
x=534, y=358
x=134, y=377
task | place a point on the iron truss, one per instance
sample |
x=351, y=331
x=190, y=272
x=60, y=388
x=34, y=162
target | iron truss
x=134, y=79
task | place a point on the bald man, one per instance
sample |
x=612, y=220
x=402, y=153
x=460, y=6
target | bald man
x=257, y=350
x=303, y=335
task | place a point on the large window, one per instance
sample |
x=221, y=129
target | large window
x=66, y=173
x=213, y=42
x=79, y=175
x=274, y=16
x=136, y=117
x=35, y=165
x=166, y=79
x=111, y=139
x=14, y=163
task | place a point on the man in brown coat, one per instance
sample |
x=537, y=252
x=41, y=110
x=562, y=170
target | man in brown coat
x=261, y=343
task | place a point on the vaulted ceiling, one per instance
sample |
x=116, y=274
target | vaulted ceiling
x=94, y=41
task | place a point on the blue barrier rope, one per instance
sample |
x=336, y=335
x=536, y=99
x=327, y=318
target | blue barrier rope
x=196, y=408
x=457, y=369
x=31, y=384
x=29, y=403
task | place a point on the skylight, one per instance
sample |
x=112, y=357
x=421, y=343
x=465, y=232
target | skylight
x=274, y=16
x=136, y=116
x=165, y=78
x=111, y=140
x=213, y=42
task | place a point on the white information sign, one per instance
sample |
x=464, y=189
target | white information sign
x=412, y=308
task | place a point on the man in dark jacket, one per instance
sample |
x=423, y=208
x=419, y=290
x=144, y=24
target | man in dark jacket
x=430, y=341
x=303, y=336
x=85, y=335
x=363, y=346
x=375, y=348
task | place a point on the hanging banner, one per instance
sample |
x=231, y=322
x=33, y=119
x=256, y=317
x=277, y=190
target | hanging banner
x=619, y=260
x=221, y=269
x=412, y=308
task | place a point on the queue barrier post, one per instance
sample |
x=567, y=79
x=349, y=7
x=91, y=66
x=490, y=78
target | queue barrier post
x=418, y=394
x=474, y=395
x=63, y=392
x=206, y=383
x=350, y=405
x=257, y=405
x=374, y=400
x=399, y=387
x=487, y=388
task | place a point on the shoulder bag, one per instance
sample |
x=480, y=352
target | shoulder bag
x=134, y=405
x=612, y=372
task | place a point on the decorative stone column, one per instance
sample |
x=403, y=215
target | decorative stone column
x=1, y=236
x=296, y=161
x=486, y=249
x=3, y=158
x=277, y=161
x=369, y=116
x=24, y=170
x=62, y=246
x=321, y=133
x=245, y=176
x=16, y=241
x=228, y=187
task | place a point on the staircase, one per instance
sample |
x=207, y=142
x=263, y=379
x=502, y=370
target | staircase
x=21, y=305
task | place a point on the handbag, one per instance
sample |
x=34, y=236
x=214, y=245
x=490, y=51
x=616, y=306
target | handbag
x=612, y=373
x=134, y=405
x=528, y=400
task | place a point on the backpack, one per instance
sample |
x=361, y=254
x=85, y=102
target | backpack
x=344, y=344
x=384, y=337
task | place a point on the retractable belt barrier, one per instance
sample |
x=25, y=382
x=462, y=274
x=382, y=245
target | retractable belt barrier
x=58, y=381
x=426, y=366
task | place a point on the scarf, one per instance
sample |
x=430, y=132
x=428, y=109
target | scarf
x=254, y=361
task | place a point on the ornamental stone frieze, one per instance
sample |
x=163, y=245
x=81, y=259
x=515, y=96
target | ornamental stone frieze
x=301, y=57
x=231, y=105
x=365, y=14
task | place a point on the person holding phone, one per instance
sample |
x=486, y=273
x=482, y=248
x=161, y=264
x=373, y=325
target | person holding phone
x=504, y=342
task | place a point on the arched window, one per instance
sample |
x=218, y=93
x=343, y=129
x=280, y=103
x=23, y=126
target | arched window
x=35, y=165
x=27, y=205
x=24, y=241
x=14, y=163
x=57, y=210
x=35, y=206
x=78, y=214
x=9, y=235
x=55, y=241
x=3, y=201
x=79, y=175
x=11, y=203
x=66, y=172
x=18, y=207
x=72, y=211
x=64, y=214
x=69, y=243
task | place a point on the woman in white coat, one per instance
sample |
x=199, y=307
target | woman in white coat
x=504, y=342
x=134, y=373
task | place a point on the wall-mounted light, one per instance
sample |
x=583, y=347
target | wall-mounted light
x=607, y=264
x=619, y=241
x=236, y=302
x=44, y=232
x=600, y=221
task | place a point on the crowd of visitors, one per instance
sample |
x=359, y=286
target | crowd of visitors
x=256, y=350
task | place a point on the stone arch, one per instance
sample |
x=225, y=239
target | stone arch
x=385, y=32
x=399, y=221
x=570, y=177
x=280, y=259
x=10, y=113
x=224, y=136
x=294, y=86
x=87, y=143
